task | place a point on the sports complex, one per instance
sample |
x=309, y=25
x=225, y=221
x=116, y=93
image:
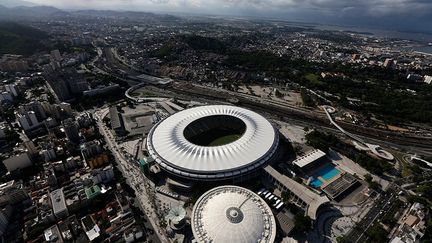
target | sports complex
x=215, y=142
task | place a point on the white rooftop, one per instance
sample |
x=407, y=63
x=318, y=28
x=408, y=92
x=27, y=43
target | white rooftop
x=232, y=214
x=173, y=152
x=308, y=158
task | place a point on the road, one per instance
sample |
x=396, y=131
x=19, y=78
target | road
x=134, y=177
x=412, y=143
x=418, y=144
x=382, y=204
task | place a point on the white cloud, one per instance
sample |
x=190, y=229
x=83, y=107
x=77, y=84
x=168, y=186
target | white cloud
x=372, y=7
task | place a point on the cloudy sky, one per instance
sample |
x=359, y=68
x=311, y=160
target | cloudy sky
x=397, y=14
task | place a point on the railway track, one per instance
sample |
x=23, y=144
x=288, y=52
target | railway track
x=307, y=116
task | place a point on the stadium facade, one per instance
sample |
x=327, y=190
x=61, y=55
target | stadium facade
x=215, y=142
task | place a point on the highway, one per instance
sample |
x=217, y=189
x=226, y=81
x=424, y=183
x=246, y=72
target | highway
x=411, y=143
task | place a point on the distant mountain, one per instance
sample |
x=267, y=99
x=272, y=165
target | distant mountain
x=20, y=39
x=20, y=12
x=125, y=14
x=16, y=3
x=39, y=10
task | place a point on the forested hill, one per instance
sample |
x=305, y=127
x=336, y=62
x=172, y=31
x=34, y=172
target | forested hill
x=20, y=39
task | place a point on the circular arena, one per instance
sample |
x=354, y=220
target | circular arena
x=214, y=142
x=232, y=214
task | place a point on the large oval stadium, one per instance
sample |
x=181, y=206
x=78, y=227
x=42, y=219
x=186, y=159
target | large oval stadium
x=215, y=142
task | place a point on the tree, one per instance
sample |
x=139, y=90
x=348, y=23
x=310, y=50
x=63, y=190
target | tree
x=374, y=185
x=302, y=223
x=307, y=99
x=341, y=239
x=377, y=233
x=368, y=178
x=285, y=197
x=106, y=120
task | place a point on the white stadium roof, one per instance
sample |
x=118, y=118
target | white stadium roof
x=232, y=214
x=169, y=147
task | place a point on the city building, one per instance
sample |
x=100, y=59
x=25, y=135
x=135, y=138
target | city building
x=28, y=120
x=388, y=63
x=310, y=159
x=12, y=89
x=117, y=123
x=232, y=214
x=90, y=227
x=18, y=161
x=3, y=130
x=5, y=215
x=6, y=96
x=428, y=79
x=71, y=129
x=301, y=196
x=52, y=234
x=58, y=203
x=31, y=148
x=103, y=175
x=55, y=54
x=12, y=192
x=90, y=149
x=413, y=226
x=36, y=107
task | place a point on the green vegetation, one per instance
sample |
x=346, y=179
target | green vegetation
x=324, y=141
x=197, y=42
x=425, y=190
x=20, y=39
x=302, y=223
x=166, y=50
x=341, y=239
x=389, y=217
x=415, y=198
x=313, y=78
x=285, y=197
x=372, y=184
x=377, y=233
x=307, y=98
x=224, y=140
x=383, y=91
x=215, y=137
x=427, y=238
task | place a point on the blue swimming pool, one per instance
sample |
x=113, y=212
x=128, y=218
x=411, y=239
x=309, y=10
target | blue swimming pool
x=316, y=183
x=327, y=173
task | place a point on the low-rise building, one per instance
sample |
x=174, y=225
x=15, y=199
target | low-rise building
x=18, y=161
x=58, y=203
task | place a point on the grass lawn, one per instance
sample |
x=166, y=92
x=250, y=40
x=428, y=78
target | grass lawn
x=224, y=140
x=313, y=78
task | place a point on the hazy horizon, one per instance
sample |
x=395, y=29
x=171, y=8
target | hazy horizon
x=406, y=15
